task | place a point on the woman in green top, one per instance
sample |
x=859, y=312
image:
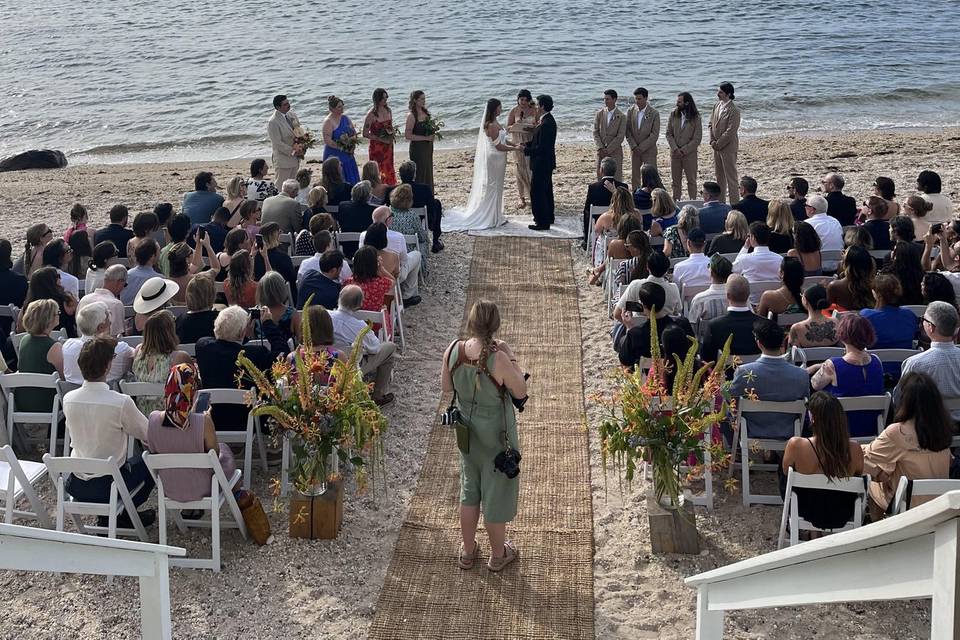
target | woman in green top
x=39, y=353
x=484, y=374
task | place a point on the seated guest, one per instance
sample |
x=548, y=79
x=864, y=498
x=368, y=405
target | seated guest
x=929, y=185
x=146, y=257
x=177, y=427
x=316, y=204
x=635, y=345
x=199, y=204
x=663, y=212
x=854, y=291
x=598, y=195
x=322, y=337
x=322, y=242
x=617, y=247
x=158, y=352
x=114, y=281
x=885, y=189
x=755, y=261
x=39, y=353
x=404, y=220
x=857, y=237
x=806, y=248
x=785, y=299
x=827, y=227
x=164, y=213
x=829, y=452
x=236, y=195
x=377, y=285
x=649, y=180
x=713, y=213
x=712, y=303
x=278, y=256
x=754, y=209
x=621, y=206
x=13, y=290
x=45, y=285
x=781, y=223
x=58, y=254
x=392, y=251
x=236, y=240
x=99, y=421
x=797, y=190
x=735, y=234
x=240, y=288
x=324, y=283
x=906, y=266
x=936, y=287
x=378, y=357
x=37, y=237
x=199, y=319
x=116, y=232
x=695, y=270
x=737, y=322
x=856, y=373
x=674, y=344
x=942, y=360
x=902, y=229
x=282, y=322
x=895, y=326
x=638, y=248
x=79, y=218
x=916, y=446
x=675, y=238
x=155, y=294
x=331, y=179
x=771, y=378
x=284, y=209
x=422, y=197
x=217, y=230
x=80, y=254
x=217, y=357
x=144, y=225
x=948, y=240
x=303, y=180
x=817, y=330
x=259, y=186
x=657, y=265
x=877, y=224
x=185, y=263
x=355, y=215
x=303, y=245
x=93, y=321
x=248, y=218
x=841, y=207
x=378, y=189
x=104, y=254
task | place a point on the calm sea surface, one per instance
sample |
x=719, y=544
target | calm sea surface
x=138, y=80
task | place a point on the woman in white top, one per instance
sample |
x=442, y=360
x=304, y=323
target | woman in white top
x=103, y=253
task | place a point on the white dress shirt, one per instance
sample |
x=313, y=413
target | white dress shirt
x=99, y=421
x=70, y=283
x=640, y=114
x=708, y=305
x=762, y=265
x=609, y=116
x=313, y=264
x=830, y=231
x=118, y=368
x=114, y=306
x=695, y=270
x=672, y=303
x=347, y=326
x=942, y=208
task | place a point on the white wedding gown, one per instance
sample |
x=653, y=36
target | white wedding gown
x=485, y=206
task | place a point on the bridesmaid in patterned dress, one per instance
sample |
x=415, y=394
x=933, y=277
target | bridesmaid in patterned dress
x=378, y=129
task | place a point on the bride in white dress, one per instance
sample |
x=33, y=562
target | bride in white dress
x=485, y=206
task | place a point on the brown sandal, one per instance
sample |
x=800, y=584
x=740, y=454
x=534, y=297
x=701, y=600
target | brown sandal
x=467, y=562
x=510, y=554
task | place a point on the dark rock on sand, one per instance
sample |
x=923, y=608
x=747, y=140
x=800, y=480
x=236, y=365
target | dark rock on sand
x=34, y=159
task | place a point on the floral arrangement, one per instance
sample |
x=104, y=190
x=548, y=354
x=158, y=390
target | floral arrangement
x=433, y=126
x=646, y=422
x=303, y=138
x=388, y=134
x=325, y=407
x=348, y=142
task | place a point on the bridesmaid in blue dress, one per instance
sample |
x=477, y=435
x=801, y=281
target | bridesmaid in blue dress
x=335, y=125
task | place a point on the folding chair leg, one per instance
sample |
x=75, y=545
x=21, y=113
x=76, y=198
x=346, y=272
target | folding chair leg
x=259, y=435
x=215, y=524
x=248, y=457
x=285, y=468
x=745, y=472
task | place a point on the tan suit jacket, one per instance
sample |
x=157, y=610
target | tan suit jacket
x=643, y=140
x=281, y=139
x=724, y=128
x=687, y=138
x=609, y=137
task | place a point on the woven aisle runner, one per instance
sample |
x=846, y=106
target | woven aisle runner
x=548, y=592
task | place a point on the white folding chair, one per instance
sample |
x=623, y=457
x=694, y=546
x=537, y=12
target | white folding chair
x=809, y=281
x=346, y=236
x=221, y=491
x=880, y=254
x=687, y=293
x=730, y=256
x=245, y=436
x=801, y=356
x=868, y=403
x=142, y=390
x=376, y=317
x=746, y=406
x=830, y=260
x=120, y=500
x=17, y=338
x=128, y=311
x=287, y=239
x=11, y=382
x=298, y=260
x=695, y=203
x=908, y=489
x=918, y=309
x=396, y=311
x=787, y=320
x=595, y=212
x=218, y=288
x=177, y=311
x=190, y=348
x=332, y=208
x=133, y=341
x=757, y=289
x=609, y=280
x=63, y=388
x=10, y=311
x=81, y=287
x=19, y=479
x=422, y=214
x=856, y=485
x=744, y=359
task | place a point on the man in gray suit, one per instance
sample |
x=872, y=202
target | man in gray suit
x=286, y=155
x=772, y=378
x=284, y=209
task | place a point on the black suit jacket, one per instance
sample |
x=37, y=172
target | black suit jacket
x=737, y=323
x=599, y=196
x=542, y=148
x=842, y=207
x=117, y=235
x=754, y=209
x=353, y=217
x=798, y=208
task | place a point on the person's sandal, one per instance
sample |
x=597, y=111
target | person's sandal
x=510, y=554
x=467, y=562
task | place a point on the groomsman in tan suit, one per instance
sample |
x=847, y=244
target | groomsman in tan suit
x=286, y=160
x=684, y=134
x=724, y=128
x=609, y=129
x=643, y=129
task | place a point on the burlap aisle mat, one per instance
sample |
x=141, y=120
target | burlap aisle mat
x=548, y=593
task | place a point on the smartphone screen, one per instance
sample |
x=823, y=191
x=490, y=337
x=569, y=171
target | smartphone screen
x=202, y=233
x=259, y=241
x=203, y=403
x=633, y=307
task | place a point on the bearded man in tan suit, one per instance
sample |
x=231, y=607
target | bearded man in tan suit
x=643, y=129
x=724, y=128
x=609, y=128
x=684, y=134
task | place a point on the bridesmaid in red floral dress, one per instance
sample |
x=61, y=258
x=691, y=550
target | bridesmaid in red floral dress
x=378, y=128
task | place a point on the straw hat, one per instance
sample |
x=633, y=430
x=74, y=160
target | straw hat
x=154, y=293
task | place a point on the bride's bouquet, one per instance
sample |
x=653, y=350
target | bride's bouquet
x=303, y=138
x=348, y=142
x=433, y=126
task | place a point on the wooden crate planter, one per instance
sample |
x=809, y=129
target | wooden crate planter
x=673, y=530
x=317, y=517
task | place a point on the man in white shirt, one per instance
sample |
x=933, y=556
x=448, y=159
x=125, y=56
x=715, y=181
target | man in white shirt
x=828, y=228
x=942, y=360
x=658, y=265
x=695, y=270
x=114, y=281
x=760, y=265
x=100, y=421
x=322, y=241
x=94, y=321
x=929, y=185
x=711, y=303
x=146, y=255
x=409, y=260
x=378, y=356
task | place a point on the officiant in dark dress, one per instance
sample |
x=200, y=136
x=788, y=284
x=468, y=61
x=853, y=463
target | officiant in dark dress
x=543, y=161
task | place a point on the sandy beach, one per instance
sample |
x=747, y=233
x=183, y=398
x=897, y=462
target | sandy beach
x=327, y=589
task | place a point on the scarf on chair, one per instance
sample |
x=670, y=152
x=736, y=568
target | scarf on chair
x=179, y=392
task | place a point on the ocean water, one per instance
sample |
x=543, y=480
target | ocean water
x=139, y=80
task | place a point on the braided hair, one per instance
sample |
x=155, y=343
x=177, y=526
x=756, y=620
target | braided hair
x=482, y=323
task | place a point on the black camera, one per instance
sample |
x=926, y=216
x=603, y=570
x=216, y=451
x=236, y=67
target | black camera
x=508, y=463
x=520, y=402
x=451, y=417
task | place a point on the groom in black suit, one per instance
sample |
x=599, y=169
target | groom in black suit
x=543, y=160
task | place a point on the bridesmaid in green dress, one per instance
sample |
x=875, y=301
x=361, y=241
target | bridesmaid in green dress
x=421, y=144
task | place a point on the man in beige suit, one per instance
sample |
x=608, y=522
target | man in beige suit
x=684, y=134
x=286, y=158
x=724, y=128
x=643, y=129
x=609, y=128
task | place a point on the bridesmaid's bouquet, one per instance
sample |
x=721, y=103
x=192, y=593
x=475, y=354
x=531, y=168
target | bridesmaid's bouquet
x=348, y=142
x=433, y=126
x=389, y=134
